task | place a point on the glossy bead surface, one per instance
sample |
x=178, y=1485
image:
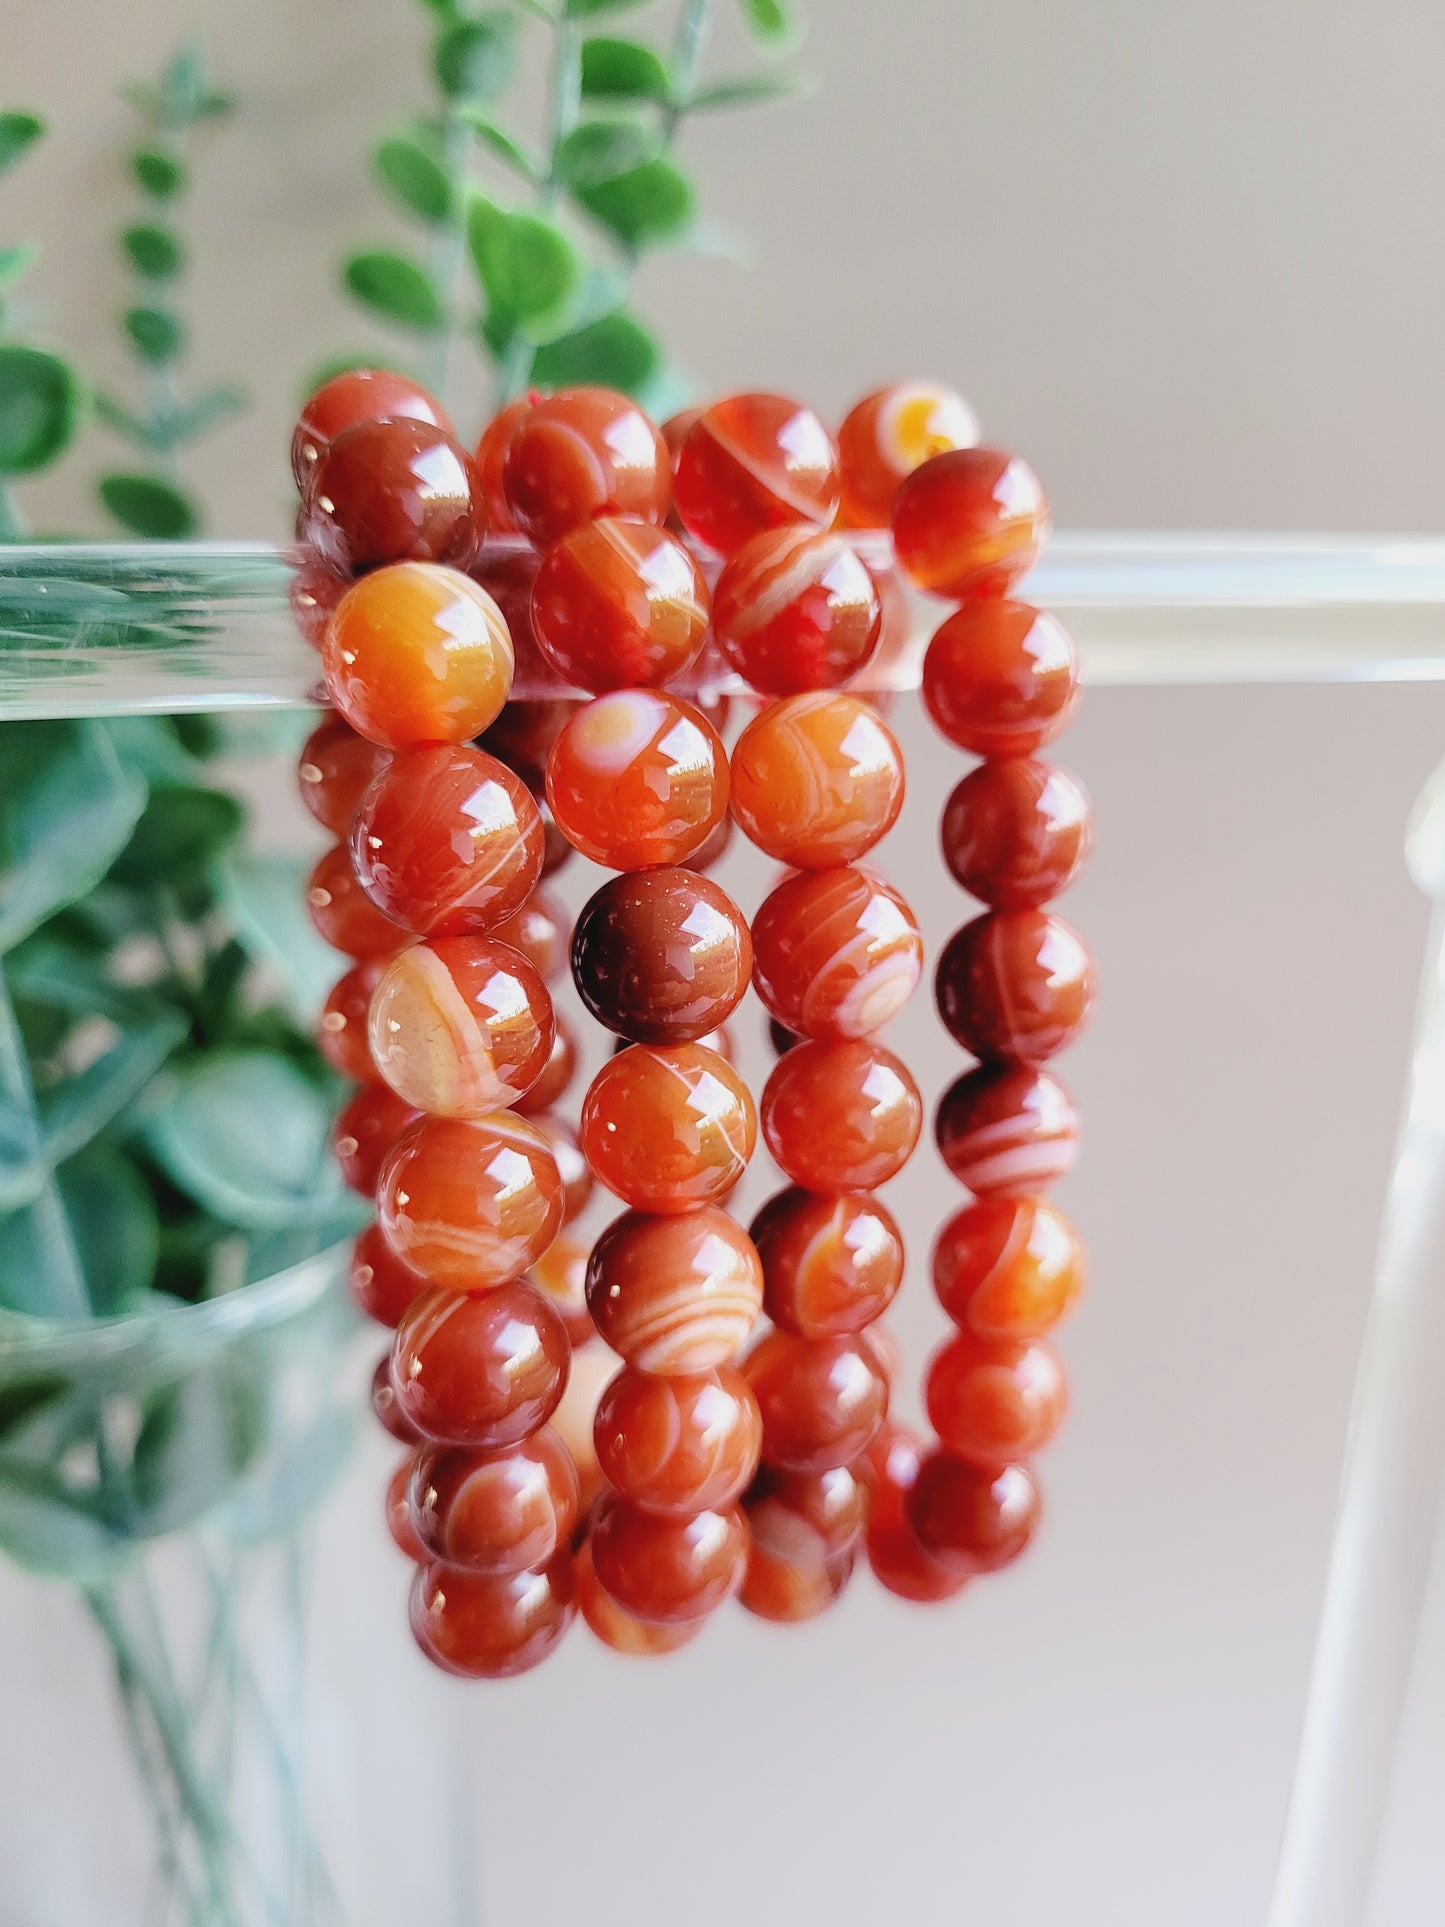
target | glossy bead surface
x=836, y=953
x=381, y=1285
x=313, y=595
x=572, y=1167
x=358, y=395
x=1007, y=1267
x=560, y=1276
x=470, y=1203
x=619, y=604
x=900, y=1562
x=334, y=767
x=668, y=1570
x=619, y=1629
x=754, y=462
x=973, y=1518
x=541, y=930
x=392, y=491
x=460, y=1026
x=491, y=458
x=480, y=1369
x=1001, y=678
x=398, y=1515
x=480, y=1627
x=796, y=609
x=343, y=915
x=831, y=1265
x=822, y=1399
x=889, y=434
x=386, y=1407
x=817, y=779
x=417, y=653
x=667, y=1127
x=1007, y=1132
x=1016, y=832
x=993, y=1400
x=841, y=1117
x=969, y=522
x=447, y=841
x=807, y=1518
x=581, y=453
x=341, y=1033
x=788, y=1593
x=495, y=1512
x=556, y=1074
x=681, y=1444
x=674, y=1294
x=661, y=956
x=1015, y=986
x=367, y=1126
x=638, y=778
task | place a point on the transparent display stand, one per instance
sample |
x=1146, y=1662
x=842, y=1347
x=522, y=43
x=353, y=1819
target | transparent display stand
x=155, y=628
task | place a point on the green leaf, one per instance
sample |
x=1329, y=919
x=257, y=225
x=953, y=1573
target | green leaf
x=623, y=70
x=41, y=404
x=414, y=177
x=183, y=829
x=747, y=90
x=266, y=897
x=394, y=288
x=768, y=21
x=475, y=59
x=645, y=205
x=114, y=1226
x=161, y=176
x=52, y=970
x=149, y=507
x=152, y=746
x=502, y=144
x=531, y=272
x=153, y=252
x=123, y=421
x=585, y=9
x=79, y=1109
x=598, y=150
x=67, y=810
x=17, y=132
x=48, y=1529
x=615, y=351
x=14, y=261
x=156, y=335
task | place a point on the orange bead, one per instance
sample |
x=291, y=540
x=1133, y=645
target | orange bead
x=560, y=1276
x=480, y=1369
x=807, y=1519
x=831, y=1265
x=495, y=1512
x=668, y=1570
x=841, y=1117
x=492, y=450
x=1015, y=986
x=789, y=1594
x=969, y=522
x=417, y=653
x=638, y=778
x=335, y=766
x=386, y=1408
x=572, y=1167
x=836, y=953
x=667, y=1127
x=1007, y=1267
x=822, y=1399
x=993, y=1400
x=367, y=1126
x=398, y=1515
x=682, y=1444
x=661, y=956
x=358, y=395
x=581, y=453
x=1006, y=1131
x=1001, y=678
x=817, y=779
x=343, y=915
x=341, y=1033
x=556, y=1074
x=618, y=1629
x=481, y=1627
x=889, y=434
x=973, y=1518
x=900, y=1562
x=675, y=1294
x=619, y=604
x=460, y=1026
x=381, y=1285
x=754, y=462
x=796, y=609
x=541, y=931
x=470, y=1202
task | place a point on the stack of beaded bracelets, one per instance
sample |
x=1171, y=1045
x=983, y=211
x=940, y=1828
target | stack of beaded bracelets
x=702, y=1477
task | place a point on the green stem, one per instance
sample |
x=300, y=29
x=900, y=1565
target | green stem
x=688, y=49
x=565, y=101
x=66, y=1294
x=13, y=526
x=449, y=253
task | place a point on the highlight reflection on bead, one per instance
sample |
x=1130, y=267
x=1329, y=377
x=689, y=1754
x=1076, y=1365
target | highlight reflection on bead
x=817, y=779
x=1007, y=1267
x=495, y=1512
x=807, y=1518
x=668, y=1570
x=831, y=1264
x=822, y=1400
x=1016, y=832
x=969, y=522
x=900, y=1562
x=796, y=609
x=667, y=1127
x=638, y=778
x=619, y=604
x=973, y=1518
x=661, y=956
x=482, y=1627
x=836, y=953
x=754, y=462
x=480, y=1369
x=889, y=434
x=675, y=1294
x=841, y=1116
x=1007, y=1132
x=680, y=1444
x=993, y=1400
x=460, y=1026
x=1014, y=986
x=790, y=1594
x=621, y=1630
x=470, y=1202
x=1001, y=678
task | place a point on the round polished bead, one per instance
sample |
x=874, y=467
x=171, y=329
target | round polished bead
x=358, y=395
x=495, y=1512
x=969, y=522
x=572, y=1168
x=619, y=1629
x=667, y=1127
x=343, y=915
x=994, y=1400
x=831, y=1265
x=790, y=1594
x=668, y=1570
x=335, y=766
x=341, y=1033
x=381, y=1285
x=480, y=1369
x=398, y=1515
x=678, y=1444
x=619, y=604
x=392, y=491
x=1016, y=832
x=638, y=778
x=496, y=440
x=1007, y=1131
x=1015, y=986
x=822, y=1399
x=560, y=1276
x=523, y=735
x=796, y=609
x=593, y=1368
x=807, y=1518
x=386, y=1407
x=417, y=653
x=661, y=956
x=447, y=841
x=753, y=462
x=1001, y=678
x=582, y=453
x=470, y=1203
x=557, y=1072
x=889, y=434
x=836, y=953
x=973, y=1518
x=480, y=1627
x=841, y=1117
x=460, y=1026
x=675, y=1294
x=1007, y=1267
x=367, y=1125
x=313, y=595
x=900, y=1562
x=541, y=930
x=817, y=779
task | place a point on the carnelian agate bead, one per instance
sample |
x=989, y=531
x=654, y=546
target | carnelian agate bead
x=1007, y=1267
x=592, y=1369
x=460, y=1026
x=661, y=956
x=398, y=1515
x=313, y=595
x=386, y=1407
x=830, y=1264
x=392, y=491
x=836, y=953
x=889, y=434
x=560, y=1276
x=541, y=930
x=969, y=522
x=334, y=768
x=637, y=778
x=495, y=1512
x=789, y=1593
x=817, y=779
x=1001, y=678
x=1006, y=1132
x=899, y=1561
x=674, y=1294
x=417, y=653
x=841, y=1117
x=807, y=1518
x=973, y=1518
x=667, y=1127
x=367, y=1126
x=486, y=1628
x=668, y=1570
x=343, y=915
x=470, y=1203
x=582, y=453
x=556, y=1073
x=491, y=459
x=341, y=1034
x=618, y=603
x=1015, y=986
x=572, y=1167
x=447, y=841
x=754, y=462
x=796, y=609
x=1016, y=832
x=994, y=1400
x=381, y=1285
x=484, y=1370
x=680, y=1444
x=822, y=1399
x=358, y=395
x=618, y=1629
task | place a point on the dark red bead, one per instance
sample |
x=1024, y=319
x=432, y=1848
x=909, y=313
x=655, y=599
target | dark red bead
x=1015, y=986
x=484, y=1369
x=393, y=491
x=1016, y=832
x=661, y=956
x=973, y=1518
x=358, y=395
